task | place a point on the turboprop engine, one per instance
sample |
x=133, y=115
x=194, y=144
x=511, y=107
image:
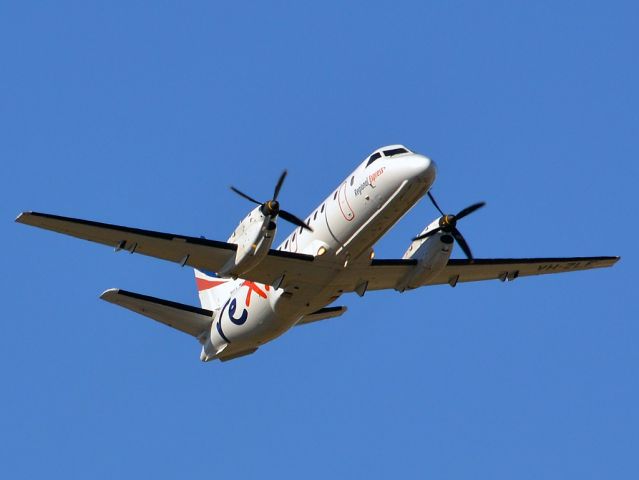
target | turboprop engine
x=433, y=246
x=431, y=252
x=254, y=235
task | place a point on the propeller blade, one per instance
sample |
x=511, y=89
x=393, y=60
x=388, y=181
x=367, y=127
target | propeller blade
x=279, y=184
x=427, y=234
x=432, y=199
x=468, y=210
x=462, y=243
x=289, y=217
x=244, y=195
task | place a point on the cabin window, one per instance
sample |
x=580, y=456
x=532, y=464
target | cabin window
x=322, y=209
x=395, y=151
x=373, y=157
x=352, y=180
x=335, y=195
x=315, y=215
x=286, y=244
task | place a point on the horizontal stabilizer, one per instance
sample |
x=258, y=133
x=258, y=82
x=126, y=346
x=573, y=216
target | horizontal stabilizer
x=322, y=314
x=233, y=356
x=186, y=318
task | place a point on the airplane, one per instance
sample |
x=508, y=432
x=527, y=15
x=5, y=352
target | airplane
x=251, y=293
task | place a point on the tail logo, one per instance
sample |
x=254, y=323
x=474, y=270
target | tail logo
x=252, y=287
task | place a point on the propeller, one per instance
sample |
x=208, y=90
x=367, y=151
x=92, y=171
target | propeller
x=271, y=207
x=448, y=224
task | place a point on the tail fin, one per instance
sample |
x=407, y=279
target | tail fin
x=213, y=290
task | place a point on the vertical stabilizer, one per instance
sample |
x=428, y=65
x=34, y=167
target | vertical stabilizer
x=213, y=290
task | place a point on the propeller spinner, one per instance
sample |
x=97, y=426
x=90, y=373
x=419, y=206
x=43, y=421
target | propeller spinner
x=272, y=208
x=448, y=224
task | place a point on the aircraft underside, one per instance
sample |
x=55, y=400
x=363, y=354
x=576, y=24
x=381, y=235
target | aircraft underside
x=251, y=293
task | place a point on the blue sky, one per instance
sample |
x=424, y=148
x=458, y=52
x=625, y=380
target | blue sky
x=143, y=113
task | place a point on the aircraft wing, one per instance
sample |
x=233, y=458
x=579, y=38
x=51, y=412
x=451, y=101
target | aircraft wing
x=299, y=269
x=386, y=274
x=188, y=319
x=196, y=252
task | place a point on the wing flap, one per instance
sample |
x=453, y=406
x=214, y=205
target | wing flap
x=186, y=318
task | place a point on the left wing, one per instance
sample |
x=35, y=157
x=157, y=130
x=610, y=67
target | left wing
x=196, y=252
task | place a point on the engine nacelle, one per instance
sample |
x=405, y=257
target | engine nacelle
x=253, y=237
x=432, y=254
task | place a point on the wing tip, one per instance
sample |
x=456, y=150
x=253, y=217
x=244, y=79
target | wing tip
x=22, y=216
x=110, y=294
x=609, y=261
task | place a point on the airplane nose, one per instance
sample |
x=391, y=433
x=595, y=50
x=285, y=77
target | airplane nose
x=424, y=169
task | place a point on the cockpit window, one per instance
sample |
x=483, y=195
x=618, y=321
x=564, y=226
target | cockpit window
x=373, y=157
x=395, y=151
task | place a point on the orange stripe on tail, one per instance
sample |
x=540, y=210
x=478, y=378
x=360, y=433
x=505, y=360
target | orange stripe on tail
x=203, y=284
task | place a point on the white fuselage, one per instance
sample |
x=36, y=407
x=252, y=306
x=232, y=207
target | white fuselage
x=345, y=227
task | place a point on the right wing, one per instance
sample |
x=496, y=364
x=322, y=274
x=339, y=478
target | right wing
x=387, y=274
x=511, y=268
x=200, y=253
